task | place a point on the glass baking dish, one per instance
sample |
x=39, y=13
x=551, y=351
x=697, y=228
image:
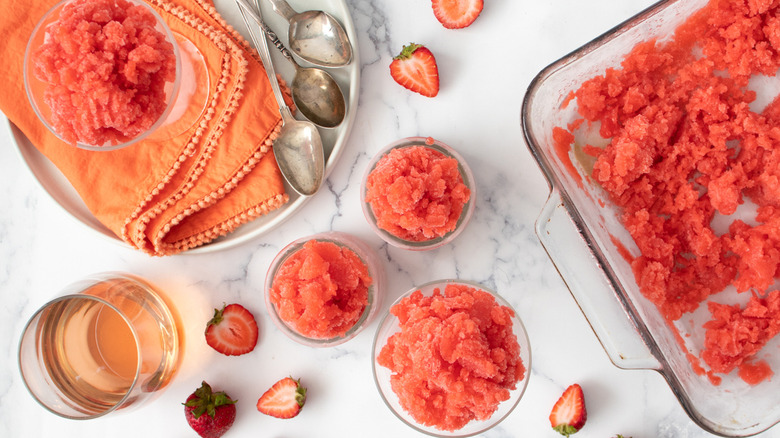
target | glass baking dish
x=581, y=233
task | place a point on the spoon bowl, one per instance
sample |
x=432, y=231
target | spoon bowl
x=318, y=97
x=299, y=154
x=315, y=93
x=315, y=36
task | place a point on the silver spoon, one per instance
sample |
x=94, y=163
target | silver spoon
x=298, y=148
x=315, y=93
x=315, y=36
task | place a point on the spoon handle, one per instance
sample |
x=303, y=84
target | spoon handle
x=283, y=8
x=272, y=37
x=262, y=49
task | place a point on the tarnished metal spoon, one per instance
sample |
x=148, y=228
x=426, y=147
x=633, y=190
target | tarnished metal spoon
x=298, y=148
x=315, y=36
x=315, y=93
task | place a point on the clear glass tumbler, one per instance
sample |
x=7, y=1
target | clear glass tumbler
x=107, y=343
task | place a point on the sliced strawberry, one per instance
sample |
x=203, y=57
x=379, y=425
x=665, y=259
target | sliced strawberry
x=232, y=331
x=456, y=14
x=569, y=414
x=416, y=70
x=284, y=400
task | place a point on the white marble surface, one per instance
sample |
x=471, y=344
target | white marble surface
x=484, y=70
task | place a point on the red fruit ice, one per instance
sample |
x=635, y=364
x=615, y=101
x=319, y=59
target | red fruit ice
x=106, y=68
x=417, y=193
x=232, y=331
x=321, y=290
x=416, y=70
x=569, y=414
x=209, y=413
x=456, y=357
x=285, y=399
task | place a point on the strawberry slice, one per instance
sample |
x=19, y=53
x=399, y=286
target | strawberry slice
x=284, y=400
x=569, y=414
x=416, y=70
x=456, y=14
x=232, y=331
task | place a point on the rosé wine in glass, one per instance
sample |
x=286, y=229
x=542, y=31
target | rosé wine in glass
x=109, y=343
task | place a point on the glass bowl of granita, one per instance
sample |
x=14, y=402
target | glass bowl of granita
x=324, y=289
x=451, y=358
x=102, y=74
x=418, y=193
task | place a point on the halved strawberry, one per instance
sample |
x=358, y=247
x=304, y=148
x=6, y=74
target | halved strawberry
x=416, y=70
x=569, y=414
x=284, y=400
x=232, y=331
x=456, y=14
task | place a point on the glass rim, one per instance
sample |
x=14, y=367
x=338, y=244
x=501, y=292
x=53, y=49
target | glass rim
x=427, y=289
x=463, y=169
x=37, y=339
x=369, y=310
x=171, y=99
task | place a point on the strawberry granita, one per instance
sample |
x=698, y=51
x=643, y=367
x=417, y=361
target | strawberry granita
x=687, y=146
x=321, y=289
x=735, y=334
x=106, y=67
x=455, y=358
x=416, y=193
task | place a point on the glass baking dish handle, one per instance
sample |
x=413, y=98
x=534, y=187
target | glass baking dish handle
x=595, y=295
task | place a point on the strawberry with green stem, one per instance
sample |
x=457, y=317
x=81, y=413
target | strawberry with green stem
x=284, y=399
x=209, y=413
x=232, y=330
x=415, y=69
x=568, y=414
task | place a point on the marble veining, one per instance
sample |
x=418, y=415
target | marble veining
x=484, y=70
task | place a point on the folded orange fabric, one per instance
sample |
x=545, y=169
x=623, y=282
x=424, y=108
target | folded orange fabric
x=164, y=196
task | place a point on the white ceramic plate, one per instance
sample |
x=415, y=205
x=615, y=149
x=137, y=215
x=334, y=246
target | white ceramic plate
x=334, y=140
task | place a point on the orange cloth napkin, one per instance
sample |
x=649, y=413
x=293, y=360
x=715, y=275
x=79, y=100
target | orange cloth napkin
x=166, y=196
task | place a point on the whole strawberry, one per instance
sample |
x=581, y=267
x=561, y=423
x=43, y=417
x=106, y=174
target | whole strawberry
x=209, y=413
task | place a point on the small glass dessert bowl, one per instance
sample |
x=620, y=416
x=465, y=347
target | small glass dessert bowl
x=418, y=193
x=322, y=290
x=473, y=340
x=102, y=74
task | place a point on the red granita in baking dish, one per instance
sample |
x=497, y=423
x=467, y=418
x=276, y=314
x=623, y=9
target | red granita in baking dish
x=686, y=147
